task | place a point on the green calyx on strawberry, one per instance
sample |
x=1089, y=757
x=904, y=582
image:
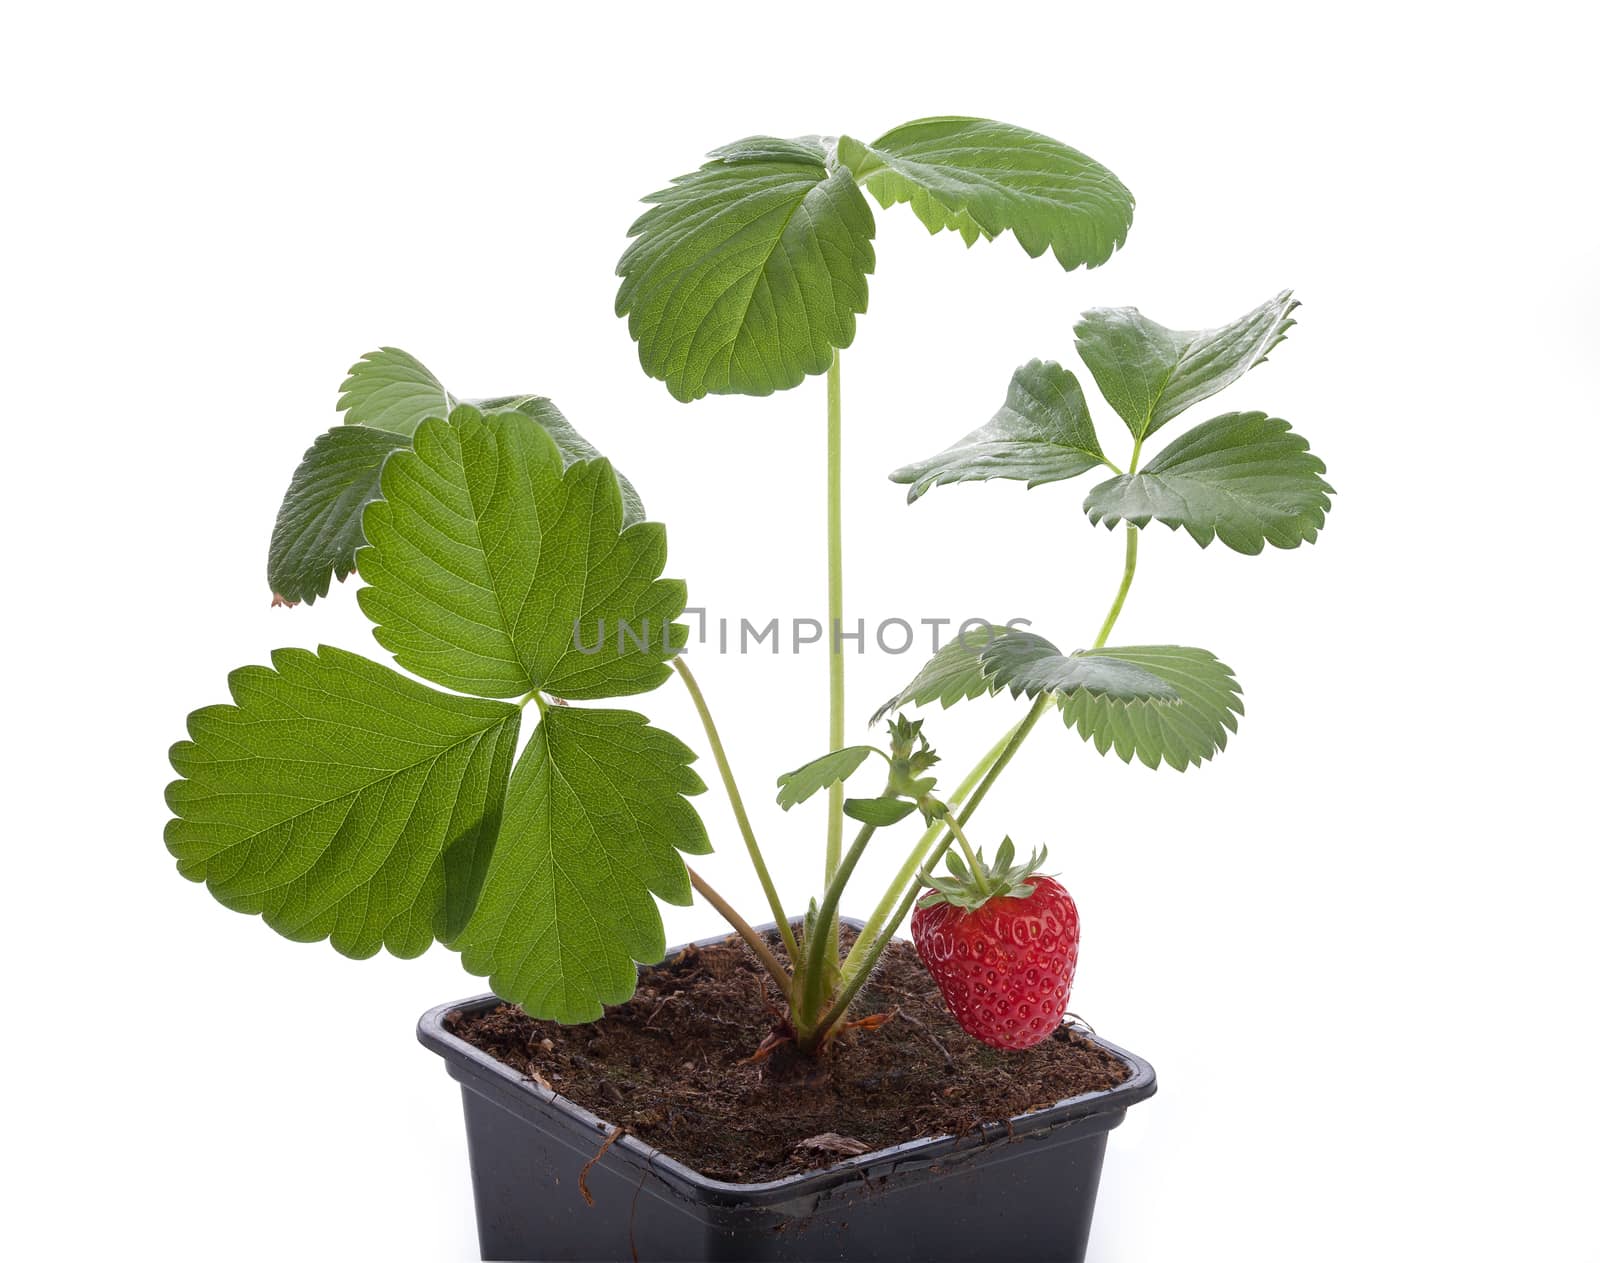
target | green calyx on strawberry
x=1001, y=942
x=972, y=889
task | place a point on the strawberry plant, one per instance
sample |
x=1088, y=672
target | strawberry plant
x=508, y=564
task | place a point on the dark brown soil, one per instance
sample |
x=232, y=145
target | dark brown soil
x=669, y=1066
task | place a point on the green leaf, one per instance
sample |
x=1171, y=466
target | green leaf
x=1027, y=663
x=1150, y=373
x=342, y=801
x=319, y=524
x=495, y=570
x=798, y=785
x=953, y=674
x=594, y=820
x=746, y=275
x=880, y=812
x=1243, y=477
x=572, y=445
x=1042, y=433
x=390, y=390
x=979, y=178
x=1183, y=732
x=805, y=150
x=1156, y=701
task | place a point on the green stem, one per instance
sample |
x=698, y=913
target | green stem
x=720, y=756
x=966, y=849
x=1019, y=734
x=914, y=861
x=1129, y=564
x=745, y=930
x=825, y=929
x=973, y=867
x=818, y=953
x=1130, y=561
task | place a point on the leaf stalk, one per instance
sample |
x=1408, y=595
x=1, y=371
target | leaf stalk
x=1130, y=563
x=736, y=801
x=828, y=929
x=819, y=952
x=745, y=930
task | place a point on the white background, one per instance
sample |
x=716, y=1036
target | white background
x=1359, y=947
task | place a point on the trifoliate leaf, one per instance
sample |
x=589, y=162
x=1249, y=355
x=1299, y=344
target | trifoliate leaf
x=390, y=390
x=1183, y=732
x=1042, y=433
x=1026, y=663
x=496, y=569
x=798, y=785
x=953, y=674
x=594, y=820
x=319, y=524
x=342, y=801
x=1150, y=373
x=880, y=812
x=979, y=178
x=1243, y=477
x=746, y=275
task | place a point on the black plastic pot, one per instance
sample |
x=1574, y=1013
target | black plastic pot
x=934, y=1199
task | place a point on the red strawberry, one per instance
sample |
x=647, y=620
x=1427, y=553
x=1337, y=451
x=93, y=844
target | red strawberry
x=1002, y=944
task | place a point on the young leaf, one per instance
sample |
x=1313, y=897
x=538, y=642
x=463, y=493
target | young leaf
x=1042, y=433
x=979, y=178
x=594, y=820
x=953, y=674
x=319, y=524
x=1150, y=373
x=492, y=569
x=881, y=812
x=1183, y=732
x=390, y=390
x=342, y=801
x=1027, y=663
x=1243, y=477
x=746, y=275
x=798, y=785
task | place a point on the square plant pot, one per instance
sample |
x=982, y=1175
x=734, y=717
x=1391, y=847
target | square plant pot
x=1021, y=1189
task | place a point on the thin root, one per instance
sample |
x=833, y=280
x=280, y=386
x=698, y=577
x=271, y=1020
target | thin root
x=583, y=1175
